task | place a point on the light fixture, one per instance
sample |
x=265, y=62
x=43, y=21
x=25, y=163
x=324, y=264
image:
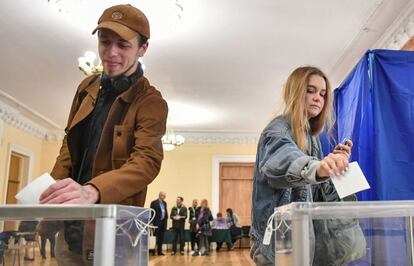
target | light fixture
x=87, y=64
x=170, y=140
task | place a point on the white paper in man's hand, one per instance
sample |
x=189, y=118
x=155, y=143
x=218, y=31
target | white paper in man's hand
x=30, y=194
x=351, y=182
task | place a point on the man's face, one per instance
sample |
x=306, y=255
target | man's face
x=179, y=201
x=119, y=56
x=162, y=196
x=195, y=203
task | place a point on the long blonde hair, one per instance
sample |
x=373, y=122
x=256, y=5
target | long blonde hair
x=294, y=96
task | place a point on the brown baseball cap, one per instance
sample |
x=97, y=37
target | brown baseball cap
x=127, y=21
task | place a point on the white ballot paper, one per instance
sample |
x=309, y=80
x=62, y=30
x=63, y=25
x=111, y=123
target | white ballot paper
x=30, y=194
x=351, y=182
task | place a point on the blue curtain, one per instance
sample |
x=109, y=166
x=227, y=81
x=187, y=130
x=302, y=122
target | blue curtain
x=374, y=107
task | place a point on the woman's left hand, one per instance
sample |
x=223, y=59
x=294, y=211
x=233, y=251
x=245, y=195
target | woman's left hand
x=344, y=148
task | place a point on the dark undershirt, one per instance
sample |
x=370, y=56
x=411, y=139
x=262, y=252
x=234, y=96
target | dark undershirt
x=92, y=134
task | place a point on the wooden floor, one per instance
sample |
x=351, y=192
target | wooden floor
x=239, y=257
x=38, y=260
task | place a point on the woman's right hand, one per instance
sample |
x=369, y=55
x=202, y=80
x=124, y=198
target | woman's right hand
x=333, y=164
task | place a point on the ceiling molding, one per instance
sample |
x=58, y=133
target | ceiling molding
x=14, y=118
x=28, y=112
x=220, y=137
x=54, y=135
x=375, y=34
x=400, y=31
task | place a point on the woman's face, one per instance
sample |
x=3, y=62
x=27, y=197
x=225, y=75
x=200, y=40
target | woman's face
x=204, y=204
x=315, y=96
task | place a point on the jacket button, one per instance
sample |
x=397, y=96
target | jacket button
x=119, y=134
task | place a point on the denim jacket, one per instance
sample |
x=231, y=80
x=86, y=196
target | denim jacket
x=283, y=174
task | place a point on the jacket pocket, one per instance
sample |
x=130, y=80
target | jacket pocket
x=123, y=139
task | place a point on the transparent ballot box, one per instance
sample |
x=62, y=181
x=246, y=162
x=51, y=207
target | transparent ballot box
x=103, y=235
x=344, y=233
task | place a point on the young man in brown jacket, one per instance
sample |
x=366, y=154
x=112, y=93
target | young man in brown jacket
x=112, y=148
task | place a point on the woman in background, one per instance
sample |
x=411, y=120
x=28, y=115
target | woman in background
x=232, y=218
x=203, y=228
x=234, y=226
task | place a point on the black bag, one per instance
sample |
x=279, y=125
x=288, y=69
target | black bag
x=235, y=231
x=337, y=241
x=206, y=229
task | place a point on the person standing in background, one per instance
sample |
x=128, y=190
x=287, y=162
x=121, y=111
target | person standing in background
x=234, y=226
x=47, y=231
x=203, y=228
x=160, y=220
x=178, y=216
x=193, y=222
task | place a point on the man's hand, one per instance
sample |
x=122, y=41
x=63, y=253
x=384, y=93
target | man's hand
x=67, y=191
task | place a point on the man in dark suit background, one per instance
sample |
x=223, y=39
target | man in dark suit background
x=178, y=215
x=160, y=220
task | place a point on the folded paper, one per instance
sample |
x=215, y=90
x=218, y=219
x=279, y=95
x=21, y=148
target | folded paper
x=351, y=182
x=30, y=194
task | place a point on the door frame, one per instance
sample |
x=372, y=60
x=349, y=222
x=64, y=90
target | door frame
x=1, y=134
x=27, y=175
x=215, y=184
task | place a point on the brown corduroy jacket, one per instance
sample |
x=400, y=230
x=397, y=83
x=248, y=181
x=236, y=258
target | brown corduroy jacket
x=129, y=154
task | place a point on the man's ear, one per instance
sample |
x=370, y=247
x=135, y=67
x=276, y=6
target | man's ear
x=142, y=49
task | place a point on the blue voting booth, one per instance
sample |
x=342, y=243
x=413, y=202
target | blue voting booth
x=374, y=107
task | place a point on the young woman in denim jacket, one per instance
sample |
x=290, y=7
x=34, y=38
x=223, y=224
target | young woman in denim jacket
x=290, y=166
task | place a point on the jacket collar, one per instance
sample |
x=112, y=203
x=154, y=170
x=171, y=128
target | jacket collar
x=138, y=87
x=127, y=96
x=88, y=102
x=93, y=89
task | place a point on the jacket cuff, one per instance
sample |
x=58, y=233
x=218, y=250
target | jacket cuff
x=303, y=171
x=309, y=172
x=294, y=171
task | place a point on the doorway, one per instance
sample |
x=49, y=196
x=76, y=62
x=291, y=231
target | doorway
x=18, y=176
x=236, y=186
